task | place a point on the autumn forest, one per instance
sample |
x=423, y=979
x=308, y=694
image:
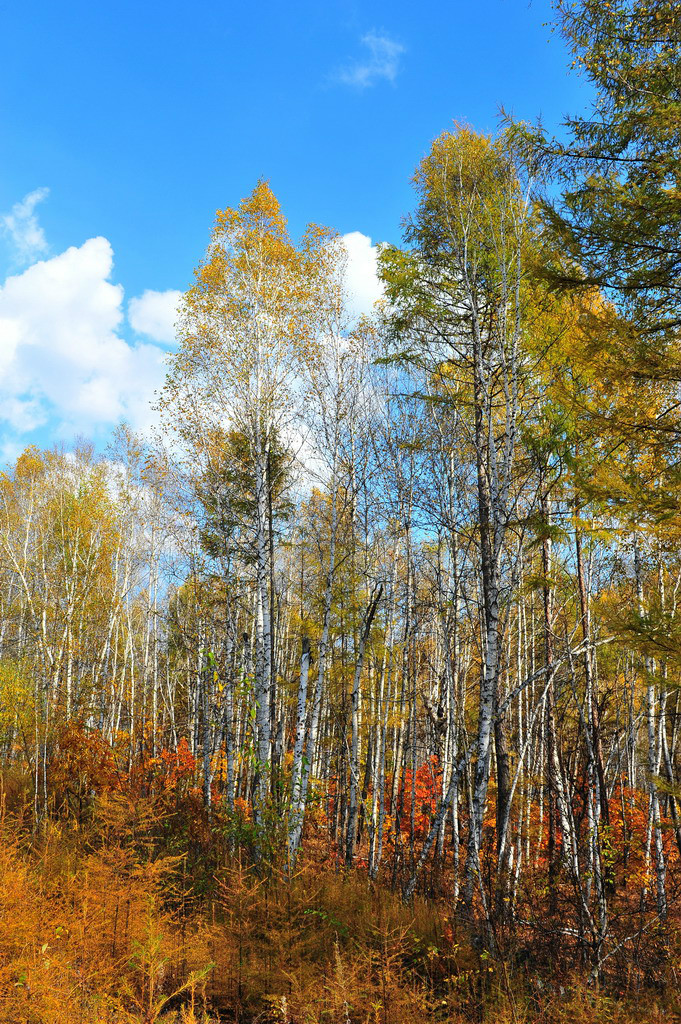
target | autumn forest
x=352, y=692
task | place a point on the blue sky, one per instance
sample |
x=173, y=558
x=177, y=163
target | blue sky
x=126, y=125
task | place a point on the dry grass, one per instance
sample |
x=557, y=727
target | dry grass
x=99, y=928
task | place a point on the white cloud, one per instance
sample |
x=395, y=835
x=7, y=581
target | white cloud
x=361, y=274
x=382, y=61
x=154, y=314
x=62, y=358
x=22, y=227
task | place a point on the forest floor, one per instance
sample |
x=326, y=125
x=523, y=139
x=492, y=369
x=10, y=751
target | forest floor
x=103, y=923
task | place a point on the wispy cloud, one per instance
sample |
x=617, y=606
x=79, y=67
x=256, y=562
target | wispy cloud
x=381, y=61
x=23, y=229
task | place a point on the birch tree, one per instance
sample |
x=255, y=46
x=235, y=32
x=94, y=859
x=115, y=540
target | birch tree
x=244, y=326
x=458, y=310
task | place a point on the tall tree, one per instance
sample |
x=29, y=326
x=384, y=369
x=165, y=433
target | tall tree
x=244, y=326
x=458, y=306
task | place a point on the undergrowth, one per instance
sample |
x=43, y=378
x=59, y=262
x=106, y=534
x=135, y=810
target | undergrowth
x=101, y=925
